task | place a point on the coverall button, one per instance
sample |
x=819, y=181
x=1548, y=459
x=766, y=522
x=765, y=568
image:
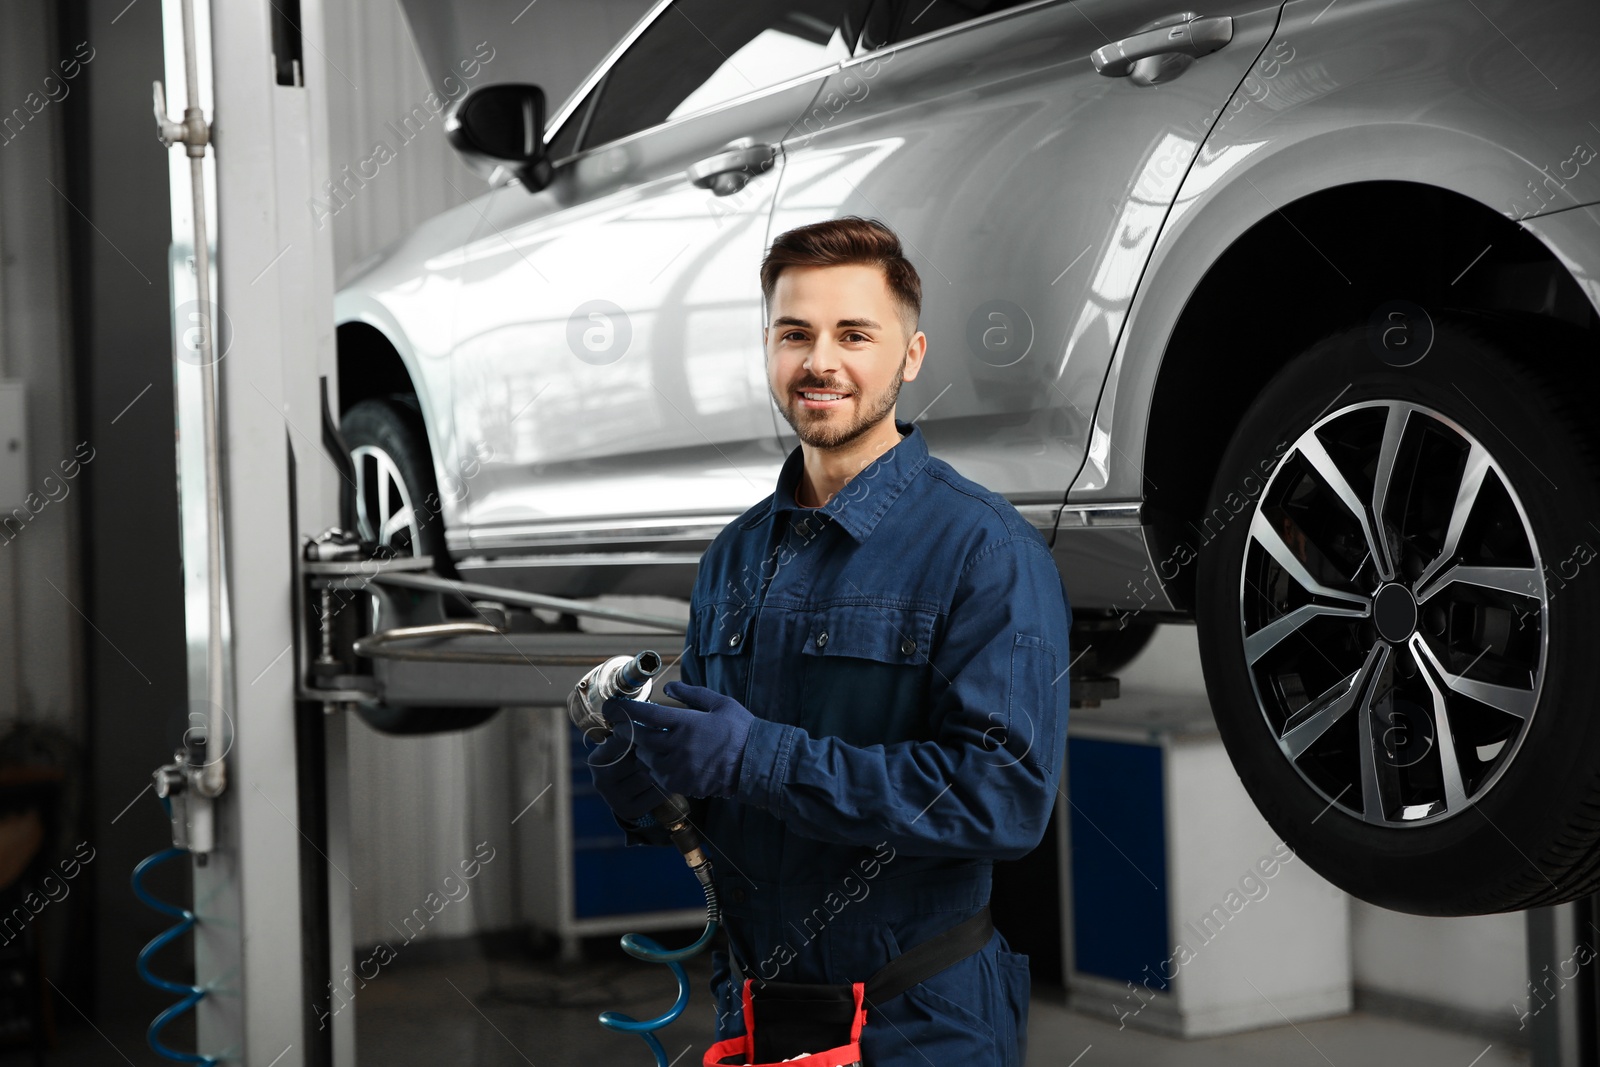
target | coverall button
x=908, y=646
x=734, y=640
x=822, y=638
x=736, y=894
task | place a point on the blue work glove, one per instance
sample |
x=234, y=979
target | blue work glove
x=694, y=751
x=621, y=778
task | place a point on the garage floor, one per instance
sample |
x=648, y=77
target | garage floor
x=501, y=1015
x=497, y=1014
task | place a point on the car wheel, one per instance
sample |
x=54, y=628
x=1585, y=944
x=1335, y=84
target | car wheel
x=397, y=497
x=1397, y=621
x=397, y=510
x=1108, y=645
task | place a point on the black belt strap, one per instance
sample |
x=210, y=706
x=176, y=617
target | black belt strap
x=792, y=1018
x=916, y=964
x=922, y=961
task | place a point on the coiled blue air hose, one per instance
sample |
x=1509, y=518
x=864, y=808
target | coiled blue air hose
x=191, y=994
x=643, y=948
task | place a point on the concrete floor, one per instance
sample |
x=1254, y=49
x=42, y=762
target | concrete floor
x=485, y=1014
x=1056, y=1035
x=515, y=1014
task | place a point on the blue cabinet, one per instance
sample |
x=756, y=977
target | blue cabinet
x=1186, y=914
x=579, y=877
x=1118, y=862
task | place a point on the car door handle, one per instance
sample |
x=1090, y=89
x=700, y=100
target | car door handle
x=728, y=171
x=1197, y=37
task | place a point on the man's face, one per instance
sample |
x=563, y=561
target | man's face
x=837, y=330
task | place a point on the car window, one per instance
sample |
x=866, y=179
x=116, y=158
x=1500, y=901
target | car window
x=698, y=53
x=565, y=143
x=891, y=21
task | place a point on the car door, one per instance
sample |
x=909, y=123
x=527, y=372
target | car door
x=1028, y=188
x=608, y=368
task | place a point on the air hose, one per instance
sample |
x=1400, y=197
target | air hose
x=674, y=815
x=630, y=676
x=191, y=994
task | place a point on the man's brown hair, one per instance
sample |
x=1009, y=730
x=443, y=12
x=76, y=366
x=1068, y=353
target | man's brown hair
x=847, y=240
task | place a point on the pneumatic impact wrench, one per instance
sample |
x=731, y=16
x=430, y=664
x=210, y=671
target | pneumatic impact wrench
x=632, y=677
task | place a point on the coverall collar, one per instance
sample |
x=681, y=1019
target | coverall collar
x=865, y=498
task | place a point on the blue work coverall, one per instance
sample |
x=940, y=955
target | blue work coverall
x=904, y=650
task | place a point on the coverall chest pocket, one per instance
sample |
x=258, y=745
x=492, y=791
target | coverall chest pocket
x=864, y=674
x=722, y=637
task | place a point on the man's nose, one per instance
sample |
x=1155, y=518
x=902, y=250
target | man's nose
x=823, y=359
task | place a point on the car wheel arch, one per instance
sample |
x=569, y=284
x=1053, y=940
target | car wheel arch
x=1266, y=316
x=1286, y=163
x=373, y=364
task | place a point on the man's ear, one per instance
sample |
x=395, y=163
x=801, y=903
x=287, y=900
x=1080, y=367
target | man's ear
x=915, y=350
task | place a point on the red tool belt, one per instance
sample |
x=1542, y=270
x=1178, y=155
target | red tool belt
x=808, y=1024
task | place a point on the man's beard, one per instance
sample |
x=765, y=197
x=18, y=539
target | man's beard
x=824, y=431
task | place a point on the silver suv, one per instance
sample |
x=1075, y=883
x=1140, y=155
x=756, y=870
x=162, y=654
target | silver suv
x=1277, y=317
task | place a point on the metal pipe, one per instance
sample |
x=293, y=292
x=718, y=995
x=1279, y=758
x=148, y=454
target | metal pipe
x=376, y=645
x=406, y=580
x=394, y=644
x=213, y=777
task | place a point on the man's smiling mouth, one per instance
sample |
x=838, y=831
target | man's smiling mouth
x=820, y=398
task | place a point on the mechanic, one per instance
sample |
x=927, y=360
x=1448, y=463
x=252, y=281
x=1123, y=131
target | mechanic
x=875, y=682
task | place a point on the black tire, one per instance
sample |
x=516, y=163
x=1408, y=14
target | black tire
x=1522, y=827
x=1108, y=645
x=391, y=429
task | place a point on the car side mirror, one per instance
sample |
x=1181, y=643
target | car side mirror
x=502, y=126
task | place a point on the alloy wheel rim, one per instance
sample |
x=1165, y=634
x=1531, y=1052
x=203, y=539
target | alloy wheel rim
x=384, y=514
x=1394, y=613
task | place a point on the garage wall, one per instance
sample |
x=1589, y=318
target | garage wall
x=421, y=805
x=40, y=671
x=41, y=587
x=376, y=81
x=1469, y=971
x=132, y=620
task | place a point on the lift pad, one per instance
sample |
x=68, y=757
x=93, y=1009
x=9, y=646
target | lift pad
x=387, y=635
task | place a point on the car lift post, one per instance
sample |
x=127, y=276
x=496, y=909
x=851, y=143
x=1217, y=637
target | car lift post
x=1560, y=1006
x=262, y=956
x=273, y=894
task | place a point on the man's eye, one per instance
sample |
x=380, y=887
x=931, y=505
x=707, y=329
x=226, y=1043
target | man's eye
x=855, y=336
x=793, y=335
